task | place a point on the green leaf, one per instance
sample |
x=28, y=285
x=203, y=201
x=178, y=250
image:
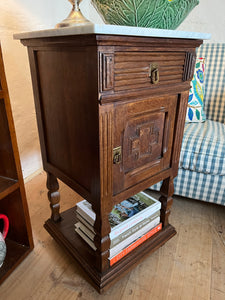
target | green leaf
x=197, y=65
x=165, y=14
x=197, y=114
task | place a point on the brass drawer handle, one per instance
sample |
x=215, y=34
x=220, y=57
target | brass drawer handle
x=154, y=73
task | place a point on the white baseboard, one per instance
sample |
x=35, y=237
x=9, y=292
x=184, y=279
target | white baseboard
x=28, y=178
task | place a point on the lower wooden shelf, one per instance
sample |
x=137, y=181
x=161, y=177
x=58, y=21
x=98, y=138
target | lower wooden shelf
x=14, y=255
x=7, y=186
x=63, y=232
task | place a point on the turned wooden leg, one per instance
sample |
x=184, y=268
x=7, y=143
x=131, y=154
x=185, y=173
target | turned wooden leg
x=102, y=241
x=166, y=191
x=53, y=196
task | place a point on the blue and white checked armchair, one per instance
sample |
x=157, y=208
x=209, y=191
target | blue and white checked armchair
x=201, y=172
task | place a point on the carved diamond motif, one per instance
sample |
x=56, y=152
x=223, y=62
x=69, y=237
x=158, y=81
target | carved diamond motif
x=141, y=144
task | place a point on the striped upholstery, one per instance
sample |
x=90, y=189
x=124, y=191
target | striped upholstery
x=201, y=173
x=214, y=100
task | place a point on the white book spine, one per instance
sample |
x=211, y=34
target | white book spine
x=85, y=215
x=89, y=233
x=84, y=221
x=84, y=209
x=125, y=243
x=133, y=229
x=85, y=238
x=85, y=206
x=133, y=221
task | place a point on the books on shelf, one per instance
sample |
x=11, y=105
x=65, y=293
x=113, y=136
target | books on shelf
x=135, y=244
x=125, y=214
x=124, y=243
x=89, y=230
x=131, y=221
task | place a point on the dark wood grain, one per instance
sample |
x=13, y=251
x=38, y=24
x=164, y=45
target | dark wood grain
x=53, y=196
x=103, y=205
x=132, y=69
x=141, y=127
x=190, y=59
x=7, y=186
x=15, y=254
x=63, y=232
x=94, y=93
x=13, y=201
x=73, y=111
x=166, y=191
x=7, y=161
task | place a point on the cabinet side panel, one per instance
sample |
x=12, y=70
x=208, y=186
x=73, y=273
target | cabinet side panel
x=69, y=111
x=7, y=161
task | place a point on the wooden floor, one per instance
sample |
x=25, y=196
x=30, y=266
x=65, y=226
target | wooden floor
x=190, y=266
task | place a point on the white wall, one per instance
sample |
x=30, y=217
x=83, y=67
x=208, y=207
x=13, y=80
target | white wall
x=208, y=16
x=26, y=15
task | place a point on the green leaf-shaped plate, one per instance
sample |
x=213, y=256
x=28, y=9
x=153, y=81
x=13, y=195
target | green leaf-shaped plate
x=165, y=14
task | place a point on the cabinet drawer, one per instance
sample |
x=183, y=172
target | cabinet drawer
x=123, y=71
x=132, y=70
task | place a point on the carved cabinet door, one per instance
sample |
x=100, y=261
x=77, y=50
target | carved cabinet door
x=142, y=139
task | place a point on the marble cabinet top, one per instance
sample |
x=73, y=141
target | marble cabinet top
x=112, y=30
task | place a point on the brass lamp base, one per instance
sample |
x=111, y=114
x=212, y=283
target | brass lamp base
x=75, y=17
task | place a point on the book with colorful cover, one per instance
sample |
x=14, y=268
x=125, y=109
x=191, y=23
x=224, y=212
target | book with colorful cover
x=129, y=232
x=88, y=229
x=124, y=243
x=124, y=215
x=135, y=244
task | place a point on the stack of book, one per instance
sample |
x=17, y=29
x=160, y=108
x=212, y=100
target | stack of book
x=132, y=222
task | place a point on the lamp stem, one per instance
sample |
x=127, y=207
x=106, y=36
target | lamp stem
x=75, y=17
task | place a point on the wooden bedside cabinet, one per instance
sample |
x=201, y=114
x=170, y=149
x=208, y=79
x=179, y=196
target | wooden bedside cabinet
x=111, y=110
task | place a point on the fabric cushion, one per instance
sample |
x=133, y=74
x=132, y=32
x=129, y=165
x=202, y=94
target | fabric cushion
x=214, y=96
x=203, y=148
x=195, y=111
x=199, y=186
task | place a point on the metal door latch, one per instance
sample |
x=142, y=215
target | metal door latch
x=117, y=155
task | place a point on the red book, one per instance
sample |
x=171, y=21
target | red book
x=135, y=244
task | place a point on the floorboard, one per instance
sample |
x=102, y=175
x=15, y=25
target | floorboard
x=189, y=266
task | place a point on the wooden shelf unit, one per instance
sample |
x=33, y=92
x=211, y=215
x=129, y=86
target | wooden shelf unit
x=13, y=201
x=7, y=185
x=64, y=233
x=111, y=112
